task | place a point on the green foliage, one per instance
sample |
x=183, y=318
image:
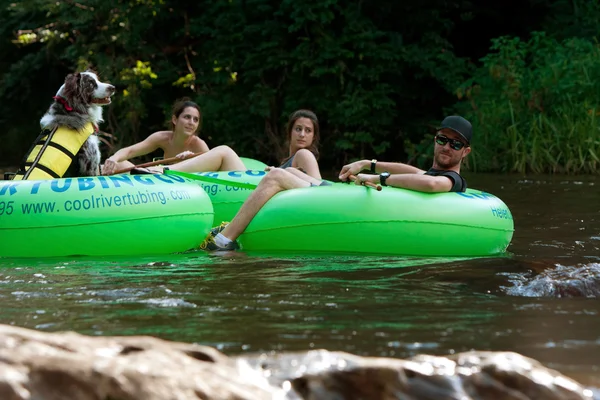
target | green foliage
x=534, y=106
x=248, y=64
x=378, y=74
x=573, y=18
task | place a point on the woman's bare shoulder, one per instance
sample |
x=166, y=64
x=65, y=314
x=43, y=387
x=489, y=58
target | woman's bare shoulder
x=161, y=138
x=198, y=145
x=304, y=153
x=196, y=139
x=162, y=134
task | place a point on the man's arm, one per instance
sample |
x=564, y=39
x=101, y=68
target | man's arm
x=362, y=165
x=419, y=182
x=395, y=168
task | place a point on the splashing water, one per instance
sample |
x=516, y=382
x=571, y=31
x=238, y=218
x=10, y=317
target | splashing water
x=562, y=281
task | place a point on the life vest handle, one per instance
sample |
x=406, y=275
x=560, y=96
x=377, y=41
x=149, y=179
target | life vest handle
x=40, y=153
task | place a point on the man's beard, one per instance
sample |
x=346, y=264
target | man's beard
x=452, y=161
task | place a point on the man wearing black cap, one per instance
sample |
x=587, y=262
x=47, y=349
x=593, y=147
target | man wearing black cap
x=452, y=144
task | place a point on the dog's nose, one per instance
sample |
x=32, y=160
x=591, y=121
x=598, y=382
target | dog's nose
x=110, y=89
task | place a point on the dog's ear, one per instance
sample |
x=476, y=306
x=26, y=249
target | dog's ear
x=87, y=85
x=71, y=85
x=91, y=71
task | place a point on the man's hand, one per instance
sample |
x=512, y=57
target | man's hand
x=361, y=179
x=352, y=169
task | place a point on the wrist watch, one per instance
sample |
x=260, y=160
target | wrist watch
x=373, y=163
x=383, y=177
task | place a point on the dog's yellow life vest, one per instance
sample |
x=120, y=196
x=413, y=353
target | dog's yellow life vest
x=52, y=153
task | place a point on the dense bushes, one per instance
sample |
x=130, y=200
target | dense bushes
x=380, y=75
x=535, y=106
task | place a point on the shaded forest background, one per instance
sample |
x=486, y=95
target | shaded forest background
x=380, y=74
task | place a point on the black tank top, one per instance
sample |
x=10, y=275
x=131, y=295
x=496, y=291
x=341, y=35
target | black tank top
x=288, y=163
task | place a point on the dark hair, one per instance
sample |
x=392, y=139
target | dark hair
x=181, y=105
x=314, y=147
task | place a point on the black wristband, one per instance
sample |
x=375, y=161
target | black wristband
x=383, y=178
x=373, y=164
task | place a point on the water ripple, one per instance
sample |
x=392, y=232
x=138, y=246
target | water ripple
x=168, y=302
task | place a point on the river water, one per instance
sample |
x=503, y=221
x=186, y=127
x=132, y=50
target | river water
x=540, y=300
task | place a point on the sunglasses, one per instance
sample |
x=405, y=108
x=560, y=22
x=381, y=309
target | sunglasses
x=454, y=143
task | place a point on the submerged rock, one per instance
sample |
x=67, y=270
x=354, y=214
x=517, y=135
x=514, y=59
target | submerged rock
x=52, y=366
x=320, y=374
x=560, y=281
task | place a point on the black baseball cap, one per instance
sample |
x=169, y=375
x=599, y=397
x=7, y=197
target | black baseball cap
x=459, y=125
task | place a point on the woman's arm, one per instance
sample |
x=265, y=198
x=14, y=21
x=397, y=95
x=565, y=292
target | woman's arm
x=306, y=161
x=148, y=145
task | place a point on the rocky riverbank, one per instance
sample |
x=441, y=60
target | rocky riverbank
x=39, y=365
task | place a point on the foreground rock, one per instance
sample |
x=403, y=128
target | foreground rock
x=46, y=366
x=473, y=375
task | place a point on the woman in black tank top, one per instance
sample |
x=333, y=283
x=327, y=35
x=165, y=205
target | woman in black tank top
x=303, y=141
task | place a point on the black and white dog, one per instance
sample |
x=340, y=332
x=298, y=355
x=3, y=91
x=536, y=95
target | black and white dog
x=78, y=102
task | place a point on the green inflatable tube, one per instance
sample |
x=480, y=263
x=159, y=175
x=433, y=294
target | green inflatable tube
x=223, y=189
x=102, y=216
x=251, y=163
x=357, y=219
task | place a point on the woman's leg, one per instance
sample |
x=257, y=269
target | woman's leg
x=277, y=180
x=302, y=175
x=221, y=158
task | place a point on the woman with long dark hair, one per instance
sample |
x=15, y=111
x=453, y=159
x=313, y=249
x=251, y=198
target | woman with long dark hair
x=303, y=138
x=303, y=134
x=180, y=141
